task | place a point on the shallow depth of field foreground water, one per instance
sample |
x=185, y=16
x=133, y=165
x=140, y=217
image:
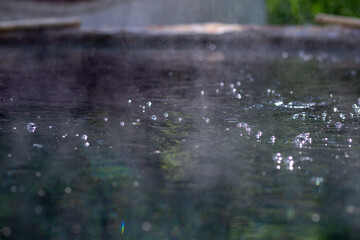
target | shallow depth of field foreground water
x=178, y=144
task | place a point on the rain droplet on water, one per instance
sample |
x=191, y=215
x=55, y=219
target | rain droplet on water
x=122, y=123
x=153, y=117
x=149, y=103
x=356, y=109
x=179, y=119
x=238, y=96
x=338, y=125
x=207, y=120
x=86, y=144
x=202, y=93
x=129, y=101
x=221, y=84
x=106, y=119
x=31, y=127
x=84, y=137
x=166, y=114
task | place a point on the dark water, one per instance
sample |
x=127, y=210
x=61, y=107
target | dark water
x=282, y=162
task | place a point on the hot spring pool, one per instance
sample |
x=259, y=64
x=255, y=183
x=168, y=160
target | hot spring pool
x=107, y=143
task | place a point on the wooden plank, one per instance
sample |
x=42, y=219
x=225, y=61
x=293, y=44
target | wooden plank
x=36, y=24
x=340, y=20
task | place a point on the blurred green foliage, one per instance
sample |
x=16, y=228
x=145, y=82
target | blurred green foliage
x=304, y=11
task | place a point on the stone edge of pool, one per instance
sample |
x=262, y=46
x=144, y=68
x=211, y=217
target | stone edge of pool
x=195, y=35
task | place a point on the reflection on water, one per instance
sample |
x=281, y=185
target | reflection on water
x=114, y=144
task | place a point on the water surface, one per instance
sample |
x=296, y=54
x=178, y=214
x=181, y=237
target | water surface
x=178, y=144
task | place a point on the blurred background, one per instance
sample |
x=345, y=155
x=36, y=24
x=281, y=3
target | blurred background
x=96, y=13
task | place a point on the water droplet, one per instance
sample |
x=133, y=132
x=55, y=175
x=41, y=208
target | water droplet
x=31, y=127
x=238, y=96
x=122, y=123
x=106, y=119
x=146, y=226
x=84, y=137
x=153, y=117
x=180, y=119
x=221, y=84
x=338, y=125
x=166, y=114
x=86, y=144
x=238, y=83
x=272, y=139
x=233, y=90
x=37, y=145
x=202, y=93
x=231, y=85
x=259, y=134
x=302, y=139
x=285, y=55
x=149, y=103
x=129, y=101
x=356, y=109
x=68, y=190
x=207, y=120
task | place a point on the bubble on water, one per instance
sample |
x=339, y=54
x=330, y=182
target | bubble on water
x=122, y=123
x=84, y=137
x=207, y=120
x=285, y=55
x=37, y=209
x=37, y=145
x=153, y=117
x=342, y=116
x=238, y=96
x=356, y=109
x=14, y=128
x=315, y=217
x=149, y=103
x=13, y=189
x=202, y=93
x=259, y=134
x=31, y=127
x=335, y=109
x=302, y=139
x=231, y=85
x=180, y=119
x=67, y=190
x=86, y=144
x=6, y=231
x=129, y=101
x=338, y=125
x=278, y=158
x=238, y=83
x=233, y=90
x=217, y=91
x=250, y=77
x=146, y=226
x=350, y=140
x=166, y=114
x=221, y=84
x=290, y=163
x=272, y=139
x=317, y=180
x=278, y=103
x=106, y=119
